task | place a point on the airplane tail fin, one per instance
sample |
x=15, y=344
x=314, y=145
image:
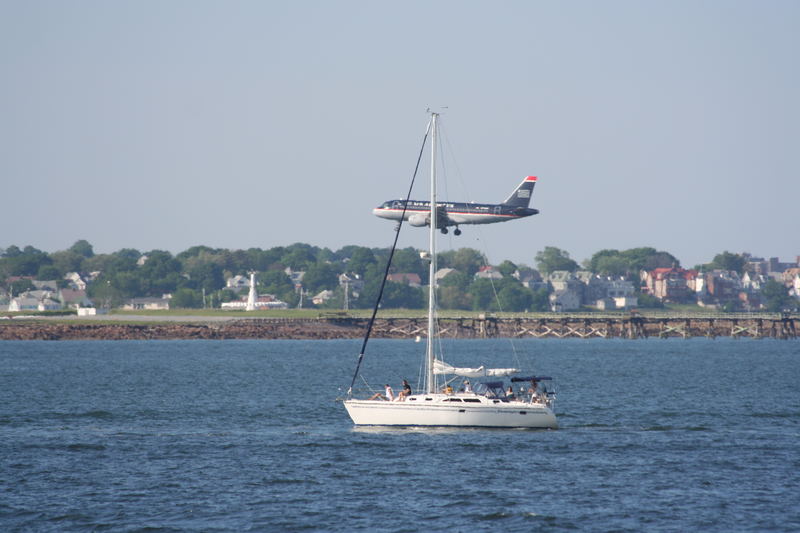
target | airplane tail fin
x=521, y=197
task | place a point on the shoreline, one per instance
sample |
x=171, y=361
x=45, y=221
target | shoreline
x=131, y=327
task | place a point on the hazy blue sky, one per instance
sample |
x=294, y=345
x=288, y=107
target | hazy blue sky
x=166, y=124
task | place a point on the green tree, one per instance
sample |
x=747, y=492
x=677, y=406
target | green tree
x=648, y=301
x=275, y=282
x=551, y=259
x=728, y=261
x=48, y=272
x=540, y=301
x=453, y=297
x=400, y=295
x=776, y=296
x=482, y=292
x=160, y=274
x=408, y=260
x=82, y=248
x=456, y=279
x=320, y=276
x=612, y=266
x=12, y=251
x=67, y=261
x=299, y=256
x=507, y=268
x=26, y=262
x=206, y=276
x=466, y=260
x=360, y=260
x=21, y=285
x=513, y=297
x=186, y=299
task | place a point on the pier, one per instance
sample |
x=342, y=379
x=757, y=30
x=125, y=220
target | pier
x=591, y=325
x=344, y=326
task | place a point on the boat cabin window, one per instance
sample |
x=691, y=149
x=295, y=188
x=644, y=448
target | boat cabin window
x=472, y=400
x=452, y=399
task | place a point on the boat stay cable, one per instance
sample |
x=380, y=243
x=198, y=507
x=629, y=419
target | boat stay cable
x=388, y=263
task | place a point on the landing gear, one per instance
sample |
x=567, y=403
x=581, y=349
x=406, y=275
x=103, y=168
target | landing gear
x=444, y=231
x=456, y=232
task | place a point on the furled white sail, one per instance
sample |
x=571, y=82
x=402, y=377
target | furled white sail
x=440, y=367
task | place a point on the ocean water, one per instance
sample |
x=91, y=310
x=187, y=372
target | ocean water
x=656, y=435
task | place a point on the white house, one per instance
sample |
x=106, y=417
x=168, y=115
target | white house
x=322, y=297
x=565, y=300
x=75, y=281
x=150, y=304
x=237, y=282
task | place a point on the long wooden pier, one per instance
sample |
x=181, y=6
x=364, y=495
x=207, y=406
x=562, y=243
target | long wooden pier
x=588, y=325
x=344, y=326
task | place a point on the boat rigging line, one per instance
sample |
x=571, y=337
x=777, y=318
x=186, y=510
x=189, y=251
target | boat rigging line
x=389, y=262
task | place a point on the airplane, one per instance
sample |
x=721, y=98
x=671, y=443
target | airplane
x=418, y=213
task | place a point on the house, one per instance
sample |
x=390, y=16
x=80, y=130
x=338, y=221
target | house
x=34, y=301
x=411, y=279
x=238, y=282
x=625, y=302
x=149, y=304
x=669, y=284
x=794, y=287
x=74, y=298
x=564, y=300
x=722, y=285
x=605, y=304
x=263, y=301
x=75, y=281
x=594, y=287
x=563, y=280
x=443, y=273
x=45, y=285
x=750, y=300
x=296, y=276
x=322, y=297
x=488, y=272
x=353, y=281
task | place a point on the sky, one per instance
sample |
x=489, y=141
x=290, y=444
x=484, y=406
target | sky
x=239, y=124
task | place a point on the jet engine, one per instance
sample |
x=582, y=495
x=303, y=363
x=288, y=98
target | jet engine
x=418, y=220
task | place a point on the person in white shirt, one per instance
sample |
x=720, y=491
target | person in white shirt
x=389, y=394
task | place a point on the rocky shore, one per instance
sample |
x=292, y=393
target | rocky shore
x=234, y=329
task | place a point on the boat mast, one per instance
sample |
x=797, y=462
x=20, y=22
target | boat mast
x=431, y=386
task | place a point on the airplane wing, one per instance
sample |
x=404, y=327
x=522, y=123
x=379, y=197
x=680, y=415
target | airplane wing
x=442, y=220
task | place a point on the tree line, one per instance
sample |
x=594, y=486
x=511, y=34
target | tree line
x=197, y=276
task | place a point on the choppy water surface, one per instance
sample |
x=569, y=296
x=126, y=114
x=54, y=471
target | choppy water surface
x=657, y=435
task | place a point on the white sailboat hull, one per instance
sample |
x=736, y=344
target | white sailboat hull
x=443, y=411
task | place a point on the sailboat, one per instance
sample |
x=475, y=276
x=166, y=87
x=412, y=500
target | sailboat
x=484, y=403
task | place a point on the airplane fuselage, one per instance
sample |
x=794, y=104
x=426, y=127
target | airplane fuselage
x=418, y=213
x=456, y=212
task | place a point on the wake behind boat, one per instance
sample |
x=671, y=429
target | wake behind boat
x=485, y=404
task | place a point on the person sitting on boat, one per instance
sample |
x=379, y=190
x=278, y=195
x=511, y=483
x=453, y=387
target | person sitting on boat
x=389, y=394
x=447, y=389
x=467, y=386
x=510, y=393
x=533, y=391
x=405, y=392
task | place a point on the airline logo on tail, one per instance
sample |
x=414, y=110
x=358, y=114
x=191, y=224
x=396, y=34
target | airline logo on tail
x=418, y=213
